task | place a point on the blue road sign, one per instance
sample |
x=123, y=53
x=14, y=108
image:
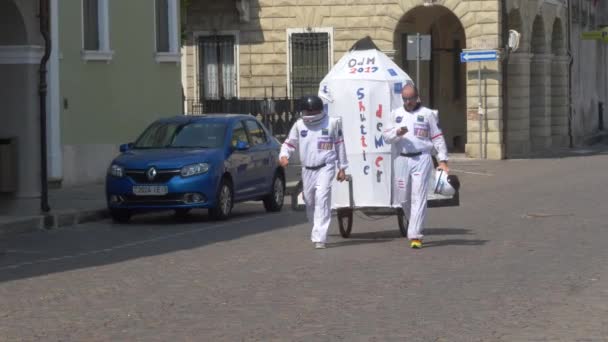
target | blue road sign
x=478, y=56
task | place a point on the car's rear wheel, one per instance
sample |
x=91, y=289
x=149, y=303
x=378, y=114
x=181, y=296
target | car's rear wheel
x=273, y=202
x=223, y=207
x=120, y=215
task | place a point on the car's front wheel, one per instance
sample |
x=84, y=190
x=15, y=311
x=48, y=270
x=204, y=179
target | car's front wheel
x=120, y=215
x=224, y=204
x=273, y=202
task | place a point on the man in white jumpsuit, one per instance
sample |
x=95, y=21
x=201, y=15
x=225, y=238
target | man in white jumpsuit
x=413, y=131
x=321, y=144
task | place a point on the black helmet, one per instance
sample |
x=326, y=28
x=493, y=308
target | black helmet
x=310, y=103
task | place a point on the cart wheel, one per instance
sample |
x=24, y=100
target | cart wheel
x=403, y=223
x=294, y=196
x=345, y=222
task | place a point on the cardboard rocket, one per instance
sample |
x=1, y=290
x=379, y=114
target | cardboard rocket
x=362, y=89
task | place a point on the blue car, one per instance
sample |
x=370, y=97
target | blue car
x=188, y=162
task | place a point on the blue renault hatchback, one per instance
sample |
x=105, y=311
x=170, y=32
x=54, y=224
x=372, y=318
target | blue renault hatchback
x=187, y=162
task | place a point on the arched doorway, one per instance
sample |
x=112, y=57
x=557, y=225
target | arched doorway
x=19, y=111
x=12, y=27
x=443, y=78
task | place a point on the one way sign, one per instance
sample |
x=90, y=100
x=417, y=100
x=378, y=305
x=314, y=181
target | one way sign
x=478, y=56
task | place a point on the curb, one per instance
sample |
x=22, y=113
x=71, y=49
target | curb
x=30, y=224
x=68, y=218
x=72, y=218
x=596, y=138
x=21, y=225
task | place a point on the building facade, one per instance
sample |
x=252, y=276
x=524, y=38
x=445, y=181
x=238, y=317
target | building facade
x=283, y=48
x=110, y=73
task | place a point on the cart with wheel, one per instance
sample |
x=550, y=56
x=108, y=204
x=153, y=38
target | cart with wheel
x=345, y=214
x=362, y=89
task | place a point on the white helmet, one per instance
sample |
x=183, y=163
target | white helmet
x=442, y=184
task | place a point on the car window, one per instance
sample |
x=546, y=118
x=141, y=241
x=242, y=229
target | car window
x=256, y=133
x=183, y=135
x=200, y=134
x=157, y=135
x=238, y=133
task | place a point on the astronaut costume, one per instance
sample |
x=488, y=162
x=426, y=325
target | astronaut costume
x=321, y=146
x=412, y=161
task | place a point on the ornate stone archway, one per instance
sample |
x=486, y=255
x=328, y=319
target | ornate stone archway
x=442, y=80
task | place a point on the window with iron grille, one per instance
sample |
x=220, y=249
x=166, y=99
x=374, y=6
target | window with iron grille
x=310, y=61
x=217, y=67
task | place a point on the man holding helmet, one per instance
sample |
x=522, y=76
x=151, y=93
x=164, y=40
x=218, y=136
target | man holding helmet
x=413, y=132
x=321, y=146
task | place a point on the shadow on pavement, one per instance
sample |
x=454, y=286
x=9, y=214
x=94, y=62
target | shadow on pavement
x=357, y=241
x=104, y=243
x=390, y=235
x=377, y=235
x=454, y=242
x=447, y=231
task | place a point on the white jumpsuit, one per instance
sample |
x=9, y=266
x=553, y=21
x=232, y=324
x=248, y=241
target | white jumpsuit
x=321, y=147
x=411, y=173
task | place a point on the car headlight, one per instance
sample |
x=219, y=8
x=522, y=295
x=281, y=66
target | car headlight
x=117, y=171
x=194, y=169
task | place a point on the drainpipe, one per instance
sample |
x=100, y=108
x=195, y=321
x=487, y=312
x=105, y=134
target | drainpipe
x=570, y=64
x=42, y=90
x=504, y=88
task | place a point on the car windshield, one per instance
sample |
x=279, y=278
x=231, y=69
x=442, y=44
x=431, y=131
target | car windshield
x=182, y=135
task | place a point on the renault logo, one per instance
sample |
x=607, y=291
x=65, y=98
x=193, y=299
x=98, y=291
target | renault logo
x=151, y=173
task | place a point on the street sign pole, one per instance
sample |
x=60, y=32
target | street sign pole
x=479, y=56
x=479, y=108
x=418, y=50
x=418, y=61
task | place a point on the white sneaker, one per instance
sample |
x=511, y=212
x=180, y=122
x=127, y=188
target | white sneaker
x=319, y=245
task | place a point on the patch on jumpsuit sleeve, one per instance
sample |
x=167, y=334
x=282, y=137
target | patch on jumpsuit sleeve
x=325, y=143
x=401, y=183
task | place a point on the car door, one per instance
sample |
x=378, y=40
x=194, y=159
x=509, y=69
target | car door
x=260, y=155
x=240, y=163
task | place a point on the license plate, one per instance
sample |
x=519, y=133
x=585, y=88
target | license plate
x=150, y=190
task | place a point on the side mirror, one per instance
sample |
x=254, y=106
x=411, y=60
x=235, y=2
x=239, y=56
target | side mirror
x=241, y=146
x=125, y=147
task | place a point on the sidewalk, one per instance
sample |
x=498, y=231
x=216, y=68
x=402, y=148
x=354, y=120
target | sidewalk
x=71, y=206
